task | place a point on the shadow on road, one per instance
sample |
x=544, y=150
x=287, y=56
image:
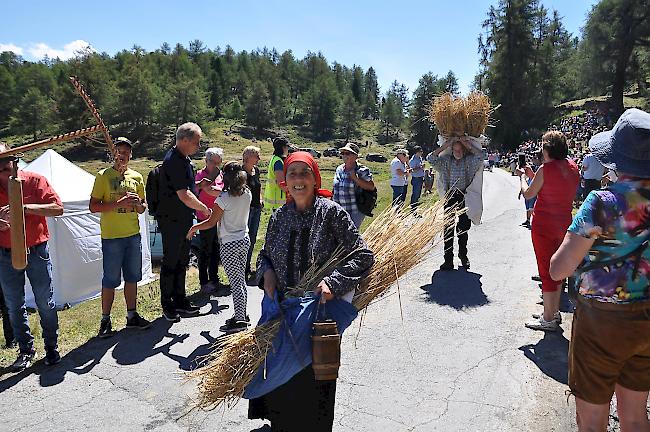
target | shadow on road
x=130, y=346
x=142, y=345
x=550, y=355
x=265, y=428
x=459, y=289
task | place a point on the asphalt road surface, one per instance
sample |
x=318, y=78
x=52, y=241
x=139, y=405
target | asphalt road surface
x=452, y=356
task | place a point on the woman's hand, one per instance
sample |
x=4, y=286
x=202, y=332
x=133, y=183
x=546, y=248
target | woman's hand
x=324, y=290
x=270, y=283
x=191, y=233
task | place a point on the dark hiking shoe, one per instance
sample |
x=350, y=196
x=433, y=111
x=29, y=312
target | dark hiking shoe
x=23, y=361
x=233, y=326
x=464, y=261
x=52, y=356
x=447, y=265
x=138, y=322
x=171, y=315
x=188, y=308
x=222, y=290
x=105, y=329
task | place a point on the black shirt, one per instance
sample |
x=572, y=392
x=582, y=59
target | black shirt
x=255, y=186
x=176, y=173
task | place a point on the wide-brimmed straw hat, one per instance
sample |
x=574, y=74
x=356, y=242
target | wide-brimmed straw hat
x=625, y=148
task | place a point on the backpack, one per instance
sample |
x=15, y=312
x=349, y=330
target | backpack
x=366, y=200
x=152, y=190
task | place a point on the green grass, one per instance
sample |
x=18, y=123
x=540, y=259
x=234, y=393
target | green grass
x=81, y=322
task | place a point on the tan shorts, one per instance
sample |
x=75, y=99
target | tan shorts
x=610, y=344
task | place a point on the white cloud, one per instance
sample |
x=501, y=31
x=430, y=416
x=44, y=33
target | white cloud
x=40, y=50
x=11, y=47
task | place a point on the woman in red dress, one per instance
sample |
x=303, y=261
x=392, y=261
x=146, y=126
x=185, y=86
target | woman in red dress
x=554, y=184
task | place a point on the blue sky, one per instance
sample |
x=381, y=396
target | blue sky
x=401, y=39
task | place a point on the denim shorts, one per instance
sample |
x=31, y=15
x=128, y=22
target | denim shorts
x=122, y=257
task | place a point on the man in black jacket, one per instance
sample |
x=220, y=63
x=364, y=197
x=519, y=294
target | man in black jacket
x=178, y=201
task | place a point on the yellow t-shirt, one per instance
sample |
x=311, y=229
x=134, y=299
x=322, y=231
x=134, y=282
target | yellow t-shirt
x=111, y=186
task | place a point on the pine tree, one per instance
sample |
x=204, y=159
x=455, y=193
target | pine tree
x=350, y=117
x=371, y=95
x=32, y=114
x=423, y=131
x=506, y=54
x=322, y=101
x=258, y=106
x=392, y=114
x=615, y=30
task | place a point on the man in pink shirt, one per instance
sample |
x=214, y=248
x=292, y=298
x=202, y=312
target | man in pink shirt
x=209, y=183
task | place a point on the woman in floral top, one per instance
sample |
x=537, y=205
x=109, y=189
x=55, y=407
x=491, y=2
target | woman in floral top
x=608, y=244
x=303, y=233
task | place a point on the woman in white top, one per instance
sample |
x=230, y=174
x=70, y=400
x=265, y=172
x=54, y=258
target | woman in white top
x=231, y=212
x=399, y=174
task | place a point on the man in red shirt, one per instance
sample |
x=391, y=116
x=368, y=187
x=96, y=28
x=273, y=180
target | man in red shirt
x=40, y=201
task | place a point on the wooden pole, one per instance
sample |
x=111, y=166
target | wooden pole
x=17, y=220
x=95, y=113
x=50, y=141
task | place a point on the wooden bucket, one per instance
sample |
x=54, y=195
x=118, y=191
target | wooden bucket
x=326, y=350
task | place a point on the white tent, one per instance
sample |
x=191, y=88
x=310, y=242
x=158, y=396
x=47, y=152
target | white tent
x=75, y=241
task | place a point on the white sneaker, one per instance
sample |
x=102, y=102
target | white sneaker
x=557, y=317
x=541, y=324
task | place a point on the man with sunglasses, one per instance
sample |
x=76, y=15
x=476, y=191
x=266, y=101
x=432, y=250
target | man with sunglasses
x=347, y=177
x=40, y=201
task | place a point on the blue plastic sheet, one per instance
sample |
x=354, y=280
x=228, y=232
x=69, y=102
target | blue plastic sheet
x=291, y=351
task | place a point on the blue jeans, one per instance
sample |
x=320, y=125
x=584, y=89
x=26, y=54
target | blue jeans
x=122, y=258
x=399, y=194
x=39, y=272
x=254, y=216
x=416, y=182
x=357, y=218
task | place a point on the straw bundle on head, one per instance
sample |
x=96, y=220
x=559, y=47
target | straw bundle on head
x=237, y=358
x=477, y=107
x=448, y=113
x=457, y=116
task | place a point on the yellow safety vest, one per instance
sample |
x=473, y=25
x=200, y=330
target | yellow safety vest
x=273, y=194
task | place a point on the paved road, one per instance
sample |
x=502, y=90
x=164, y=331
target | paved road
x=459, y=360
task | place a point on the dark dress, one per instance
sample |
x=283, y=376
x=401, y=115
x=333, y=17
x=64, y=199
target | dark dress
x=294, y=242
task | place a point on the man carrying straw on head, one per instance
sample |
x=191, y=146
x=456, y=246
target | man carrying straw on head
x=456, y=170
x=459, y=162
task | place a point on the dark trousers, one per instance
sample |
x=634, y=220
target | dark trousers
x=301, y=404
x=209, y=256
x=6, y=324
x=454, y=203
x=176, y=257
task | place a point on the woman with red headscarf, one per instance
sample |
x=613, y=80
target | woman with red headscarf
x=304, y=233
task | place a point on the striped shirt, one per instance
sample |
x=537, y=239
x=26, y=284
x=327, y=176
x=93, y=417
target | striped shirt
x=344, y=187
x=456, y=173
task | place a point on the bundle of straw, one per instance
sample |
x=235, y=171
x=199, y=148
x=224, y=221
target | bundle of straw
x=448, y=113
x=477, y=108
x=457, y=116
x=233, y=363
x=398, y=239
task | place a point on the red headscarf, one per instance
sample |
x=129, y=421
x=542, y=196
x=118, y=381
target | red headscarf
x=301, y=156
